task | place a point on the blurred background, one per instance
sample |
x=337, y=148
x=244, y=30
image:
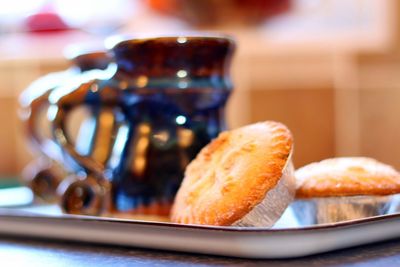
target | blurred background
x=329, y=69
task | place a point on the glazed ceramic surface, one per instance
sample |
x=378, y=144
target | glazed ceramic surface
x=43, y=175
x=171, y=93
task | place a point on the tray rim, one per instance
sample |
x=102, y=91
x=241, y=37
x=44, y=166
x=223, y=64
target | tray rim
x=15, y=213
x=239, y=242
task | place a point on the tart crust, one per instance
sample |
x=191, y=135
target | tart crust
x=232, y=174
x=346, y=176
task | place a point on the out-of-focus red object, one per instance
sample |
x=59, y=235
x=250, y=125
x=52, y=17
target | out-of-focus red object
x=45, y=20
x=221, y=12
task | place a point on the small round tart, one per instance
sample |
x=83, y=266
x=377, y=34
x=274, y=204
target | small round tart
x=347, y=176
x=233, y=174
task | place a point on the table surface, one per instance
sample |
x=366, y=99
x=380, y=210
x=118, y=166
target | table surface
x=30, y=252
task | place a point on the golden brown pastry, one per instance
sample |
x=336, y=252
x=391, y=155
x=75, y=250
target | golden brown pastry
x=246, y=171
x=346, y=177
x=342, y=189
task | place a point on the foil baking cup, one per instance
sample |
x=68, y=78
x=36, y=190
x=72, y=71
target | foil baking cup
x=394, y=204
x=268, y=211
x=325, y=210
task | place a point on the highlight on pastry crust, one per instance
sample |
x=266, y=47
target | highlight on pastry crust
x=232, y=174
x=346, y=176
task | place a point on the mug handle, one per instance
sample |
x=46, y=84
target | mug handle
x=44, y=144
x=90, y=94
x=40, y=175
